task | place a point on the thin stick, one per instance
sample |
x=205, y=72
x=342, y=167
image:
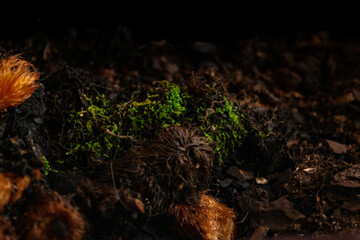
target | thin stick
x=118, y=136
x=113, y=180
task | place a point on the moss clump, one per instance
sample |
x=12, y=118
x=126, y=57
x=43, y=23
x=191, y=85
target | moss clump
x=88, y=139
x=220, y=120
x=48, y=168
x=102, y=129
x=160, y=107
x=223, y=124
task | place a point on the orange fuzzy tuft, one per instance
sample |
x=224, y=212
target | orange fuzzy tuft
x=5, y=190
x=209, y=220
x=17, y=81
x=12, y=187
x=37, y=173
x=52, y=217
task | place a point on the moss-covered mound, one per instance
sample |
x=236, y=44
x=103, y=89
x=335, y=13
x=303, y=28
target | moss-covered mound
x=103, y=128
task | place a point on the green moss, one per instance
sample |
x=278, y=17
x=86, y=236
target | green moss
x=88, y=139
x=261, y=134
x=149, y=111
x=48, y=168
x=222, y=123
x=161, y=107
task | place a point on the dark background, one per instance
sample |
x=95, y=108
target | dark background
x=186, y=23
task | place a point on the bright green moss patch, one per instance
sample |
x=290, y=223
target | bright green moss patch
x=103, y=128
x=150, y=111
x=48, y=168
x=223, y=124
x=88, y=139
x=161, y=107
x=221, y=121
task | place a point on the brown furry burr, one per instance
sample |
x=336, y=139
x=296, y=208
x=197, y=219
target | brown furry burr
x=208, y=220
x=148, y=180
x=7, y=232
x=12, y=187
x=50, y=216
x=17, y=81
x=167, y=170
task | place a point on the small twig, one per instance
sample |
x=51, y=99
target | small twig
x=244, y=218
x=119, y=136
x=113, y=180
x=128, y=102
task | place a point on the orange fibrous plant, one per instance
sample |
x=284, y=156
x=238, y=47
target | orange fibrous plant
x=12, y=188
x=17, y=81
x=208, y=220
x=51, y=216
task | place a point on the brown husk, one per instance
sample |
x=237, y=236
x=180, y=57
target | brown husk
x=208, y=220
x=50, y=216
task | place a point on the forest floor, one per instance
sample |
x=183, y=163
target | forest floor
x=304, y=87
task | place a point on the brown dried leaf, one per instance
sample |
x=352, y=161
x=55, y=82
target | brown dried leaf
x=343, y=100
x=349, y=178
x=279, y=215
x=337, y=147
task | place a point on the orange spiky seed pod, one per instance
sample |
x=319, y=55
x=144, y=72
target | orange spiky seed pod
x=17, y=81
x=5, y=191
x=209, y=220
x=51, y=217
x=12, y=187
x=7, y=232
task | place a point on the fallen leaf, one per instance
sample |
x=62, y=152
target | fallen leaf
x=346, y=99
x=349, y=178
x=248, y=175
x=279, y=215
x=338, y=148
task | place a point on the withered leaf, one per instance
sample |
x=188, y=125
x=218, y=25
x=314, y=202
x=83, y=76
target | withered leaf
x=337, y=147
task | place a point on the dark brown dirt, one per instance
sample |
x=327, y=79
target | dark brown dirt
x=305, y=87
